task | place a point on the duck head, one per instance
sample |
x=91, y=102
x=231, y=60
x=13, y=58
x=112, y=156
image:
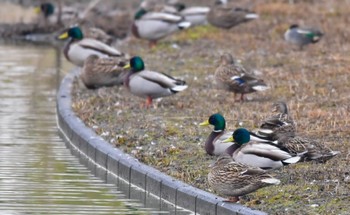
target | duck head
x=73, y=32
x=46, y=8
x=226, y=59
x=240, y=136
x=136, y=64
x=217, y=120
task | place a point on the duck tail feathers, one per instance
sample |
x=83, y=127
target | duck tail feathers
x=271, y=181
x=291, y=160
x=184, y=25
x=260, y=87
x=179, y=88
x=251, y=16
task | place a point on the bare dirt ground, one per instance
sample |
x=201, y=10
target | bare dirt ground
x=314, y=82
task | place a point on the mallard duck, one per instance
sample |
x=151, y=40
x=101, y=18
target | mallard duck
x=51, y=15
x=279, y=124
x=150, y=84
x=225, y=16
x=308, y=149
x=196, y=15
x=266, y=155
x=214, y=144
x=103, y=72
x=302, y=36
x=97, y=34
x=233, y=179
x=231, y=76
x=78, y=48
x=153, y=26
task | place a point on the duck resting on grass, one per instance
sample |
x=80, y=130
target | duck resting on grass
x=78, y=48
x=302, y=36
x=232, y=179
x=265, y=155
x=149, y=84
x=103, y=72
x=215, y=145
x=153, y=26
x=222, y=15
x=232, y=76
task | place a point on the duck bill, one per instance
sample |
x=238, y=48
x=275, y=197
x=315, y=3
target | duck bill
x=230, y=139
x=63, y=36
x=127, y=66
x=37, y=10
x=204, y=123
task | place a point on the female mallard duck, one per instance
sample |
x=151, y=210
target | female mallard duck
x=97, y=34
x=103, y=72
x=307, y=149
x=265, y=155
x=302, y=36
x=78, y=48
x=279, y=124
x=233, y=179
x=231, y=76
x=225, y=16
x=150, y=84
x=214, y=144
x=153, y=26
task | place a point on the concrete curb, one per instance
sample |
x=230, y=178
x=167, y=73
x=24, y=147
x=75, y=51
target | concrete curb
x=113, y=165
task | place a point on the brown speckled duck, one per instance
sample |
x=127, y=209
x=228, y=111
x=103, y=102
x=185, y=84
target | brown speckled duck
x=103, y=72
x=225, y=16
x=233, y=179
x=231, y=76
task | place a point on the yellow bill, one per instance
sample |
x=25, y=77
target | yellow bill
x=230, y=139
x=37, y=10
x=127, y=66
x=63, y=36
x=205, y=123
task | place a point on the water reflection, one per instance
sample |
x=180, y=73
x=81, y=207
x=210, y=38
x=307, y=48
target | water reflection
x=38, y=175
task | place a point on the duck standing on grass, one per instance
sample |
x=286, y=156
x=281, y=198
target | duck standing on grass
x=150, y=84
x=103, y=72
x=226, y=16
x=302, y=36
x=265, y=155
x=153, y=26
x=231, y=76
x=233, y=179
x=78, y=48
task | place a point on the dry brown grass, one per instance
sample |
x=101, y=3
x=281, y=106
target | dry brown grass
x=314, y=82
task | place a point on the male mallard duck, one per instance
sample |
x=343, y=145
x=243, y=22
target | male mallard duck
x=302, y=36
x=103, y=72
x=51, y=15
x=225, y=16
x=279, y=124
x=265, y=155
x=231, y=76
x=150, y=84
x=195, y=15
x=78, y=48
x=233, y=179
x=153, y=26
x=214, y=144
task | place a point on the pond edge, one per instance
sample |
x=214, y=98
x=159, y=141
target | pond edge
x=114, y=166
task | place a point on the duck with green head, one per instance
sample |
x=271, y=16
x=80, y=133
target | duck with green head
x=214, y=144
x=233, y=179
x=153, y=26
x=78, y=48
x=149, y=84
x=265, y=155
x=53, y=16
x=302, y=36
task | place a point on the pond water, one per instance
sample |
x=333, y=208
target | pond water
x=38, y=175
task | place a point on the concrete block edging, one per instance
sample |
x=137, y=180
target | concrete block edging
x=111, y=164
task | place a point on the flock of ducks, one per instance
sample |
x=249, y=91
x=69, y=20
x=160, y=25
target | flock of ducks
x=245, y=157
